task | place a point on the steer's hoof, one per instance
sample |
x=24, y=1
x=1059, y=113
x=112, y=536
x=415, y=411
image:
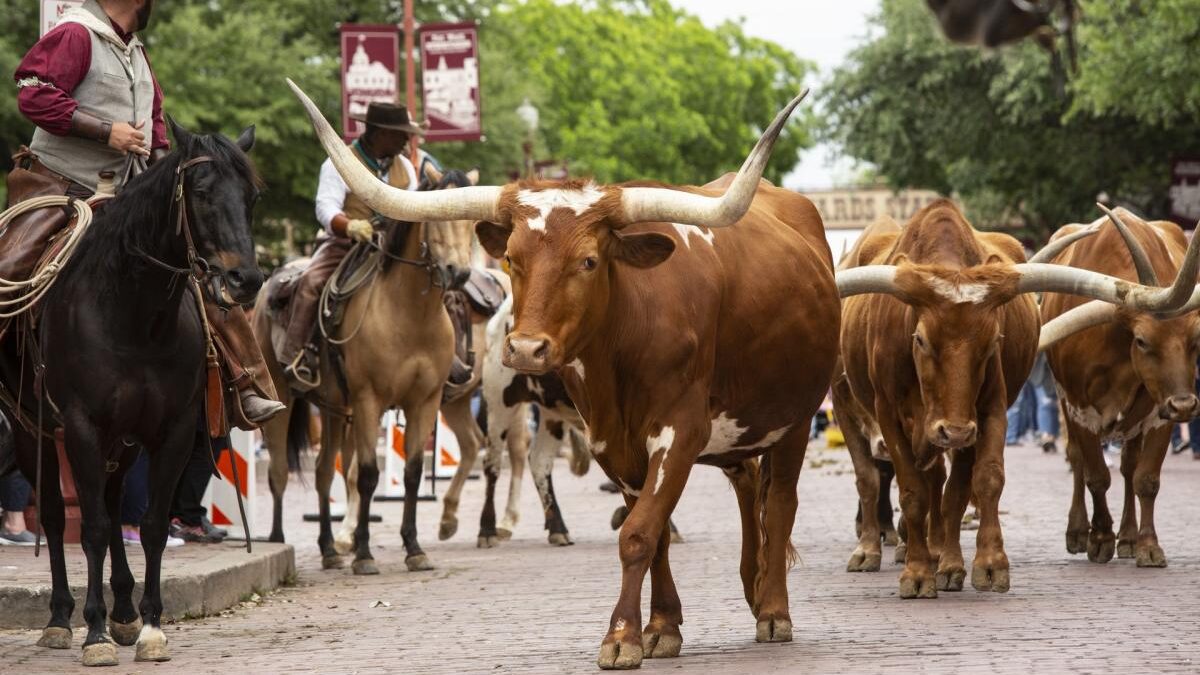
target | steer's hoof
x=152, y=645
x=951, y=578
x=418, y=563
x=618, y=517
x=677, y=537
x=901, y=553
x=864, y=562
x=1151, y=556
x=447, y=529
x=891, y=538
x=487, y=541
x=100, y=654
x=619, y=655
x=364, y=567
x=55, y=637
x=773, y=630
x=985, y=578
x=1125, y=548
x=332, y=562
x=1101, y=547
x=661, y=643
x=917, y=585
x=125, y=634
x=1077, y=541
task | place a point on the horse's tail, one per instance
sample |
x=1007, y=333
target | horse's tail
x=297, y=437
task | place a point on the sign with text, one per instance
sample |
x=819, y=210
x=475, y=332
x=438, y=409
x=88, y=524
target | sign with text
x=1185, y=191
x=856, y=208
x=370, y=72
x=52, y=11
x=450, y=82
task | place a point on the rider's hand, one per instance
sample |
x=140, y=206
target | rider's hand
x=128, y=138
x=359, y=230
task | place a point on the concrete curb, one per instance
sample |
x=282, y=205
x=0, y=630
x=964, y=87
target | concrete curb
x=192, y=589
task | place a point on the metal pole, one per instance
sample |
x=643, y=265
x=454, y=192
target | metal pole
x=410, y=76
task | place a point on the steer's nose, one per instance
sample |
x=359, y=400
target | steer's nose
x=527, y=354
x=1181, y=408
x=954, y=435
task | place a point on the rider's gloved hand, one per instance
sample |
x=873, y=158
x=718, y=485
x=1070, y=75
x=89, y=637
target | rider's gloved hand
x=359, y=230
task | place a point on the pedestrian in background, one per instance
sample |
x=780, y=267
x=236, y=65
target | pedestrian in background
x=1046, y=396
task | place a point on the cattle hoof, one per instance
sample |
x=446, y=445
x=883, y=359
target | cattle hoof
x=1151, y=556
x=152, y=645
x=773, y=630
x=447, y=529
x=901, y=553
x=990, y=579
x=1077, y=541
x=560, y=539
x=100, y=654
x=125, y=634
x=1125, y=548
x=332, y=562
x=677, y=537
x=891, y=538
x=864, y=562
x=503, y=533
x=917, y=585
x=619, y=655
x=619, y=516
x=661, y=643
x=487, y=541
x=1101, y=548
x=364, y=567
x=55, y=637
x=418, y=563
x=951, y=578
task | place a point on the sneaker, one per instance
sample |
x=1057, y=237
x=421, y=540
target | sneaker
x=192, y=533
x=131, y=535
x=25, y=538
x=212, y=530
x=1183, y=445
x=1049, y=447
x=174, y=542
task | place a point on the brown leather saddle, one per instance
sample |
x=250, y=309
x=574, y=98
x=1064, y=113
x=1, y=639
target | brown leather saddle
x=484, y=292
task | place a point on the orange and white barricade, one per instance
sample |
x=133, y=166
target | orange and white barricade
x=221, y=497
x=445, y=459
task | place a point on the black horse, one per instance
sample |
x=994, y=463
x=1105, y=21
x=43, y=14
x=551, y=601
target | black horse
x=124, y=354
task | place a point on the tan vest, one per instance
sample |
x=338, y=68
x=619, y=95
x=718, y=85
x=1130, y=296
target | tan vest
x=356, y=209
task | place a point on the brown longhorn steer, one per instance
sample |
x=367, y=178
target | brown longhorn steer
x=1129, y=378
x=680, y=344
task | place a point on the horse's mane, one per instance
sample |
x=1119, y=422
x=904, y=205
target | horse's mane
x=398, y=231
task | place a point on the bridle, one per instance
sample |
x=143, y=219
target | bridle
x=198, y=268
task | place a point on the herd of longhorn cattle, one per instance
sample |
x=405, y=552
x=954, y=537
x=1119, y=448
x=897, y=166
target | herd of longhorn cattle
x=704, y=325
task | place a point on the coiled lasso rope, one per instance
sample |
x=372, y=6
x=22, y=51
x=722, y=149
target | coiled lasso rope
x=29, y=292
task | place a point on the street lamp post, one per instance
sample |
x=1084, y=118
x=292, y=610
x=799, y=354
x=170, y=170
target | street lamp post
x=529, y=115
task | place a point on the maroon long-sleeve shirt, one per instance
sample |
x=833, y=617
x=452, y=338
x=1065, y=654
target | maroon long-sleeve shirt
x=62, y=59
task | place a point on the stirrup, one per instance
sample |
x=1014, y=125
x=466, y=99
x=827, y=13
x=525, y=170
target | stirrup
x=300, y=375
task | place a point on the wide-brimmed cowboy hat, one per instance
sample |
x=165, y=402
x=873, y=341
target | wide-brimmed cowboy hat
x=390, y=116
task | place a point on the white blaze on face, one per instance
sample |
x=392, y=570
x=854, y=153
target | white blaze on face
x=546, y=201
x=577, y=366
x=686, y=230
x=959, y=294
x=661, y=443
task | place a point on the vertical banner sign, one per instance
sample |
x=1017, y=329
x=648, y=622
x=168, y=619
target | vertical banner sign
x=1185, y=191
x=52, y=11
x=370, y=62
x=450, y=82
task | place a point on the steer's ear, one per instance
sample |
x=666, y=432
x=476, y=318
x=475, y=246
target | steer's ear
x=493, y=238
x=642, y=250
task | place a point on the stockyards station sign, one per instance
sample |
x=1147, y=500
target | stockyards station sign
x=52, y=11
x=847, y=212
x=450, y=82
x=1185, y=191
x=370, y=58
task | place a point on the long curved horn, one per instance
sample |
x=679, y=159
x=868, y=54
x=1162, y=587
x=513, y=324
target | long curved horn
x=1050, y=251
x=1141, y=262
x=1083, y=317
x=867, y=279
x=640, y=205
x=470, y=203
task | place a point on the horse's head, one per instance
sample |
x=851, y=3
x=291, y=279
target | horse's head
x=220, y=187
x=450, y=241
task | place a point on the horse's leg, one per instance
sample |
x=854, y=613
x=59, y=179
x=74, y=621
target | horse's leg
x=331, y=437
x=275, y=435
x=167, y=463
x=541, y=461
x=462, y=423
x=344, y=542
x=364, y=433
x=57, y=633
x=124, y=624
x=87, y=451
x=518, y=452
x=421, y=418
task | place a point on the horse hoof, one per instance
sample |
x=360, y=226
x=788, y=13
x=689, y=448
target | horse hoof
x=447, y=529
x=664, y=643
x=332, y=562
x=619, y=655
x=864, y=562
x=774, y=630
x=100, y=654
x=503, y=533
x=561, y=539
x=125, y=634
x=364, y=567
x=343, y=546
x=486, y=541
x=418, y=563
x=55, y=637
x=152, y=645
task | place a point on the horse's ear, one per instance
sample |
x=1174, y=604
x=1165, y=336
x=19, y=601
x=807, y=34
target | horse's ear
x=246, y=140
x=473, y=176
x=182, y=136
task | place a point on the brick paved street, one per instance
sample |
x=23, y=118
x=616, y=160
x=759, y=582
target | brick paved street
x=528, y=608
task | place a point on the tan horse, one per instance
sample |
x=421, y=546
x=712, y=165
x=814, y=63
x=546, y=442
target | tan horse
x=399, y=348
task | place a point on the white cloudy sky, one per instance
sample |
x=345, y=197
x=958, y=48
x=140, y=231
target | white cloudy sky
x=817, y=30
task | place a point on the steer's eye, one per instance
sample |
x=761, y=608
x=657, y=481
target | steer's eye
x=589, y=264
x=920, y=342
x=1141, y=344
